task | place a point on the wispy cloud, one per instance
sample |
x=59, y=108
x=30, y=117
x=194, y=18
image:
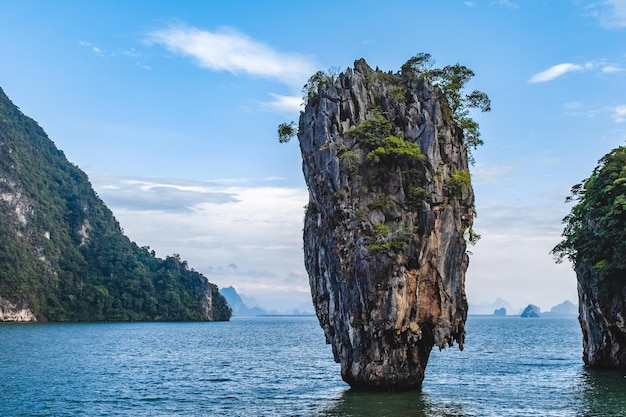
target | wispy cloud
x=581, y=110
x=612, y=69
x=284, y=104
x=106, y=54
x=619, y=113
x=490, y=173
x=164, y=195
x=558, y=70
x=91, y=47
x=610, y=13
x=508, y=3
x=233, y=51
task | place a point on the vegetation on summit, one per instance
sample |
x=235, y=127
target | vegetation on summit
x=451, y=79
x=595, y=229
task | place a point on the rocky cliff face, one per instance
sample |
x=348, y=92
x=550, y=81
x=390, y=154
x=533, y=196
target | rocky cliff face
x=389, y=203
x=602, y=309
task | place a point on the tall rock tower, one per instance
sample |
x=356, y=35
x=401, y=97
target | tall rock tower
x=390, y=209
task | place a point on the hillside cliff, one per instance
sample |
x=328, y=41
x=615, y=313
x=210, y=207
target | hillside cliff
x=390, y=208
x=63, y=256
x=594, y=240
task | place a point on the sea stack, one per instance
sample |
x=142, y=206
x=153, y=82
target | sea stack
x=386, y=227
x=594, y=240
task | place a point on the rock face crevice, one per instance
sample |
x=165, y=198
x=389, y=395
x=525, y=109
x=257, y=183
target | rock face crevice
x=384, y=227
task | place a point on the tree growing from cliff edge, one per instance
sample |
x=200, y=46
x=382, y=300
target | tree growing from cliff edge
x=452, y=80
x=595, y=229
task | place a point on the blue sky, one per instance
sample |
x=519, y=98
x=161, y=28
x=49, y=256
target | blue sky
x=172, y=107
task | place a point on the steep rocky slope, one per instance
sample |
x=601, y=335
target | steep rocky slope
x=390, y=208
x=63, y=256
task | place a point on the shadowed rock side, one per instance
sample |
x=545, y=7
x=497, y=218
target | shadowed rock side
x=384, y=227
x=602, y=308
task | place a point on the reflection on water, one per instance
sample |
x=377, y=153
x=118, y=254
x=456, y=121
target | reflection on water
x=592, y=393
x=368, y=404
x=604, y=392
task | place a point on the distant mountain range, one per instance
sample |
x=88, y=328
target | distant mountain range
x=239, y=308
x=243, y=306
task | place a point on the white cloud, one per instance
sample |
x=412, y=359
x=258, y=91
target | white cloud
x=558, y=70
x=284, y=104
x=216, y=224
x=508, y=3
x=512, y=260
x=233, y=51
x=610, y=13
x=612, y=69
x=619, y=113
x=490, y=173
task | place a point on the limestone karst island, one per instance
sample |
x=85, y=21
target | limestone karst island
x=63, y=256
x=390, y=212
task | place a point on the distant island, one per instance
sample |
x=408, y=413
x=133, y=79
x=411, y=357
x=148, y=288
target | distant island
x=502, y=308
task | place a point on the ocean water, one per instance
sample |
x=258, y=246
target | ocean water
x=280, y=366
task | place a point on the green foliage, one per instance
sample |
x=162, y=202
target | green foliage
x=419, y=66
x=457, y=183
x=595, y=229
x=371, y=132
x=414, y=195
x=384, y=77
x=68, y=259
x=286, y=131
x=379, y=238
x=312, y=87
x=383, y=202
x=395, y=150
x=350, y=159
x=398, y=93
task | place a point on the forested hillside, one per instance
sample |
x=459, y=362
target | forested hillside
x=63, y=255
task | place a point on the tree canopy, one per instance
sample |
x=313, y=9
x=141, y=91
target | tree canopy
x=595, y=229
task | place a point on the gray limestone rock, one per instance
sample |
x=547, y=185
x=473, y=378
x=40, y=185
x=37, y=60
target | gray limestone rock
x=602, y=308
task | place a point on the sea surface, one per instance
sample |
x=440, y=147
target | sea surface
x=280, y=366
